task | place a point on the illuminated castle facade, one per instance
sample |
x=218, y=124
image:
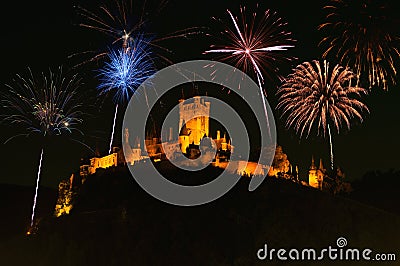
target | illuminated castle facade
x=316, y=175
x=193, y=126
x=117, y=157
x=193, y=121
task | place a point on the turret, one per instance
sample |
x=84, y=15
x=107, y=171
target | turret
x=313, y=167
x=312, y=175
x=224, y=145
x=321, y=166
x=170, y=135
x=126, y=136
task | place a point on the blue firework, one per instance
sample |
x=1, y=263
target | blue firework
x=126, y=70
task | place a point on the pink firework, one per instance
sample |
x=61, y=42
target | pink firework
x=256, y=46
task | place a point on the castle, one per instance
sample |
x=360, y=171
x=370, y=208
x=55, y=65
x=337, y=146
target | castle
x=316, y=175
x=193, y=127
x=192, y=131
x=327, y=180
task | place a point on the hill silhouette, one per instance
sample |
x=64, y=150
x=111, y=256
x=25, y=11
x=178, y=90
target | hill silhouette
x=379, y=189
x=115, y=222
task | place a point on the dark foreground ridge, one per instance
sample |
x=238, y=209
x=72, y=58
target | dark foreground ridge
x=114, y=222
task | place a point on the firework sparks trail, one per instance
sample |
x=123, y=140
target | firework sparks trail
x=313, y=94
x=113, y=128
x=127, y=70
x=37, y=187
x=256, y=47
x=120, y=21
x=44, y=107
x=330, y=145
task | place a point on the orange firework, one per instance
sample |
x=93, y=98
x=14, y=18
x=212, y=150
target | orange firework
x=315, y=95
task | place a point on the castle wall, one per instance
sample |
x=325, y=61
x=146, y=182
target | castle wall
x=184, y=142
x=103, y=162
x=241, y=167
x=316, y=176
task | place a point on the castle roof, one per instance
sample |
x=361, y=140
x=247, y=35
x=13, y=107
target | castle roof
x=313, y=167
x=184, y=131
x=321, y=166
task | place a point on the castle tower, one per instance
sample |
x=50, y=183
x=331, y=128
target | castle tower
x=316, y=176
x=196, y=113
x=137, y=142
x=321, y=166
x=126, y=135
x=170, y=135
x=312, y=174
x=184, y=135
x=136, y=151
x=224, y=145
x=127, y=147
x=313, y=167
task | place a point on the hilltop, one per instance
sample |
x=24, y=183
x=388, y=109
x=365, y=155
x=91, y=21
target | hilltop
x=114, y=222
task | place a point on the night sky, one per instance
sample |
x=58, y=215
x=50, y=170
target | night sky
x=43, y=34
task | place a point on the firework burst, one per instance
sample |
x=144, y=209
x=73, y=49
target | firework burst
x=126, y=71
x=48, y=106
x=315, y=95
x=361, y=34
x=118, y=20
x=256, y=46
x=115, y=22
